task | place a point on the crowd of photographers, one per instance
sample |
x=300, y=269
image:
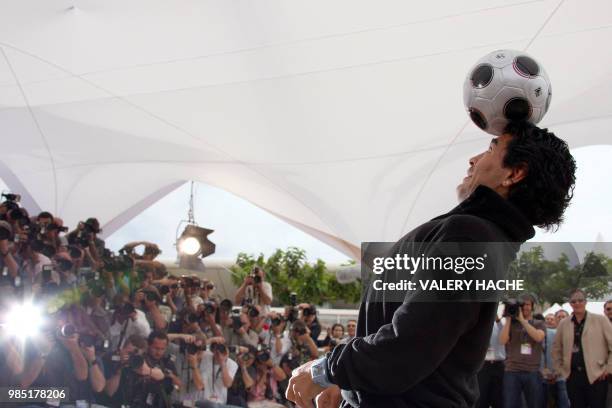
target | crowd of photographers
x=558, y=360
x=116, y=330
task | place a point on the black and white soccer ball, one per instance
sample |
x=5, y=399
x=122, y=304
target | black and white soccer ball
x=503, y=86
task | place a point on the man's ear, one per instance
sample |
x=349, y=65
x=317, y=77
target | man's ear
x=517, y=174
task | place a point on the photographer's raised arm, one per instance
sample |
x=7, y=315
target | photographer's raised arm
x=419, y=338
x=196, y=375
x=536, y=334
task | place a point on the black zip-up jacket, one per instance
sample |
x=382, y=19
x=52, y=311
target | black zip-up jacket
x=416, y=354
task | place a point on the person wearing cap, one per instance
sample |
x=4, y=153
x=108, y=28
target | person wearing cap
x=582, y=353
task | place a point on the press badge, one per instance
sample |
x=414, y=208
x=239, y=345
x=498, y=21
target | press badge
x=526, y=349
x=149, y=399
x=188, y=403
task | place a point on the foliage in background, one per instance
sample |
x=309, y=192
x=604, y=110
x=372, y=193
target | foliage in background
x=287, y=271
x=551, y=280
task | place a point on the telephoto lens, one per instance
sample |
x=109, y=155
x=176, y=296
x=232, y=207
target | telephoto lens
x=257, y=279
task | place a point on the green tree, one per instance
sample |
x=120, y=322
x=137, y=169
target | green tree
x=288, y=271
x=551, y=280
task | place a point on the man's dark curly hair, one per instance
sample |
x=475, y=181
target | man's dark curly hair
x=546, y=191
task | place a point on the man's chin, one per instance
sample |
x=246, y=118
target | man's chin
x=462, y=192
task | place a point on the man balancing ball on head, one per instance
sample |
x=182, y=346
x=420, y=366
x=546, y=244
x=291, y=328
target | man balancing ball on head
x=416, y=354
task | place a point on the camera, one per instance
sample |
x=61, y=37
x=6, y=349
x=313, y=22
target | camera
x=309, y=311
x=75, y=252
x=511, y=307
x=218, y=347
x=192, y=348
x=192, y=317
x=210, y=307
x=15, y=198
x=236, y=322
x=276, y=321
x=256, y=278
x=135, y=361
x=164, y=290
x=67, y=330
x=46, y=273
x=263, y=353
x=252, y=311
x=87, y=340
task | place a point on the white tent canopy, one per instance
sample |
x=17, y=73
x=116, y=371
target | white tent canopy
x=344, y=118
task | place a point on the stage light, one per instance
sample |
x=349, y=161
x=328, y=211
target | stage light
x=189, y=246
x=194, y=242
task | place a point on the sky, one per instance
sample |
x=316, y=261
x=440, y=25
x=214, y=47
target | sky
x=243, y=227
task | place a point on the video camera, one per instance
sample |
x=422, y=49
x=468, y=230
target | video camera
x=511, y=307
x=10, y=197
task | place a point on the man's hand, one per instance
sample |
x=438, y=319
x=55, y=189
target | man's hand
x=192, y=359
x=70, y=343
x=89, y=353
x=329, y=398
x=520, y=316
x=301, y=389
x=188, y=338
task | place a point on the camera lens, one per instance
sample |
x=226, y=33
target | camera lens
x=135, y=361
x=67, y=330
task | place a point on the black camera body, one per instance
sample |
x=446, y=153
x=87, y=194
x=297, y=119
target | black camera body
x=263, y=353
x=236, y=322
x=256, y=278
x=210, y=307
x=252, y=311
x=135, y=361
x=511, y=307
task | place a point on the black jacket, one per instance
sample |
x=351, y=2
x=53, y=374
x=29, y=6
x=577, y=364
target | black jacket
x=427, y=354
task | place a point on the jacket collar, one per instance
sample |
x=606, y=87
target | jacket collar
x=486, y=203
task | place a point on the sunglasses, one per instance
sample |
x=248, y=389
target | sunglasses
x=574, y=301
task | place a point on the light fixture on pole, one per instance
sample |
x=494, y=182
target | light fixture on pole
x=193, y=243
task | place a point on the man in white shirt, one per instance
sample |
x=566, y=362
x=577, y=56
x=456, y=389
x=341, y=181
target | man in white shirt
x=128, y=321
x=212, y=374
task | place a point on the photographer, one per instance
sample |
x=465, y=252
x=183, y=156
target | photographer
x=523, y=339
x=128, y=374
x=277, y=342
x=96, y=380
x=55, y=359
x=303, y=346
x=8, y=265
x=309, y=316
x=264, y=392
x=208, y=321
x=237, y=394
x=148, y=299
x=161, y=388
x=255, y=290
x=235, y=327
x=127, y=321
x=85, y=237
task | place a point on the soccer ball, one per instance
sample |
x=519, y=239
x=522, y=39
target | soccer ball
x=503, y=86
